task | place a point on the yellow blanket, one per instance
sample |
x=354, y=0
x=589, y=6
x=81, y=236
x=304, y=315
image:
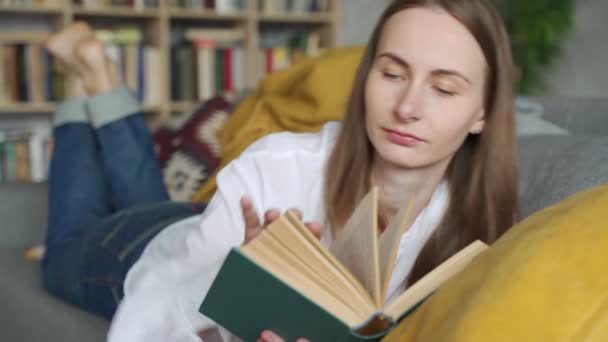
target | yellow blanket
x=300, y=99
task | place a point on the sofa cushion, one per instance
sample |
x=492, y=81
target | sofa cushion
x=188, y=150
x=577, y=115
x=553, y=167
x=544, y=280
x=30, y=314
x=528, y=120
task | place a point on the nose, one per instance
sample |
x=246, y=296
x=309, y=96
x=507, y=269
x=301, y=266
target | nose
x=408, y=105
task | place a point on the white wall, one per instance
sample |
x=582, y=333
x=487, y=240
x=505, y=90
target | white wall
x=582, y=68
x=358, y=18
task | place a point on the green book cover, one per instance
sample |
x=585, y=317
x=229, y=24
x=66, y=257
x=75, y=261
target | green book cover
x=219, y=71
x=245, y=299
x=185, y=56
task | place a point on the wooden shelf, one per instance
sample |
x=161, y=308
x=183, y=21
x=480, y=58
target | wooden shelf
x=49, y=108
x=116, y=11
x=40, y=10
x=151, y=108
x=317, y=18
x=183, y=106
x=158, y=24
x=20, y=108
x=179, y=13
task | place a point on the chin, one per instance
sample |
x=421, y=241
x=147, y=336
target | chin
x=401, y=157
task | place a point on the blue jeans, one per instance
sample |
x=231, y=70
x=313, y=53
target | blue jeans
x=107, y=200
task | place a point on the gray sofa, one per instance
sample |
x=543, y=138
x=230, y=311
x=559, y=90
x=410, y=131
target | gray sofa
x=563, y=149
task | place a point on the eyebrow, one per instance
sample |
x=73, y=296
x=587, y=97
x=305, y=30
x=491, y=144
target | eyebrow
x=438, y=72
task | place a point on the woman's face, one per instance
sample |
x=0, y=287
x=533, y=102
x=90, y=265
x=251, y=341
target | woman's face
x=425, y=91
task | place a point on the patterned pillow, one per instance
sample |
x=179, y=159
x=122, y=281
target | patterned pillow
x=188, y=152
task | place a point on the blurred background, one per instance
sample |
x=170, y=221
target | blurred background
x=178, y=54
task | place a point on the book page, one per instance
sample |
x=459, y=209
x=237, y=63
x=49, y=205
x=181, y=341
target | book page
x=388, y=244
x=281, y=269
x=342, y=271
x=356, y=246
x=434, y=279
x=305, y=258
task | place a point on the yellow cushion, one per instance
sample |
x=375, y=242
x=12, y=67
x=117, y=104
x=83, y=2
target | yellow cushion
x=544, y=280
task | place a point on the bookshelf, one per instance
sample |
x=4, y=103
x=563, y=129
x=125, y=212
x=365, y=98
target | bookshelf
x=157, y=24
x=25, y=141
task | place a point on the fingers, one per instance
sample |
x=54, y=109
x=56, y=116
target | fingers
x=249, y=214
x=297, y=212
x=269, y=336
x=270, y=216
x=316, y=229
x=252, y=223
x=253, y=226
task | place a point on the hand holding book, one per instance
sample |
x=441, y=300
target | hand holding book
x=253, y=226
x=285, y=281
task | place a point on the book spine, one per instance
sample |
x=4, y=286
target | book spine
x=228, y=71
x=9, y=158
x=141, y=68
x=219, y=70
x=22, y=161
x=239, y=68
x=36, y=158
x=21, y=64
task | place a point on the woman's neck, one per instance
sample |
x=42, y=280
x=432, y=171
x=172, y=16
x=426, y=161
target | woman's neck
x=396, y=186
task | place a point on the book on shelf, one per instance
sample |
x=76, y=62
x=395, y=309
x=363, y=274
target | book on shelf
x=292, y=6
x=280, y=51
x=133, y=4
x=24, y=156
x=218, y=6
x=298, y=288
x=32, y=3
x=138, y=64
x=207, y=62
x=29, y=74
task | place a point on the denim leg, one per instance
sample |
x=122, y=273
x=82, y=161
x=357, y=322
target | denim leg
x=89, y=271
x=78, y=193
x=127, y=150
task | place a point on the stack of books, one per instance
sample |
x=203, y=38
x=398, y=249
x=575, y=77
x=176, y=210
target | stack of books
x=218, y=6
x=28, y=73
x=24, y=156
x=138, y=63
x=135, y=4
x=37, y=3
x=293, y=6
x=279, y=53
x=208, y=62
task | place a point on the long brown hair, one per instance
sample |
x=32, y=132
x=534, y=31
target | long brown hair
x=482, y=175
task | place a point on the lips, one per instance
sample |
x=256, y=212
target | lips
x=402, y=138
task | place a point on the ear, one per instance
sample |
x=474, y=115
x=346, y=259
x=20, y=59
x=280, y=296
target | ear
x=479, y=123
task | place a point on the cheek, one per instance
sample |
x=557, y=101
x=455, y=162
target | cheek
x=455, y=126
x=376, y=99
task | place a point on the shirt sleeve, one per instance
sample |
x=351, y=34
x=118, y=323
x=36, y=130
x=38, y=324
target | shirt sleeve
x=165, y=288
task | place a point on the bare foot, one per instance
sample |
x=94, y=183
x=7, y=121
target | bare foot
x=74, y=85
x=62, y=43
x=94, y=68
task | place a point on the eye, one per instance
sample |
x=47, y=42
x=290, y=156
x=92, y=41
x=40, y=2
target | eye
x=392, y=76
x=444, y=92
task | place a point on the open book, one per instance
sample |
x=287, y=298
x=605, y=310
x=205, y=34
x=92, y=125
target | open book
x=286, y=281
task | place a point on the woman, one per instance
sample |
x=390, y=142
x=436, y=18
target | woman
x=431, y=114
